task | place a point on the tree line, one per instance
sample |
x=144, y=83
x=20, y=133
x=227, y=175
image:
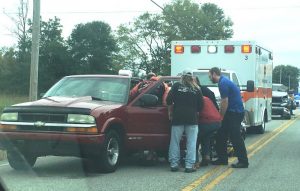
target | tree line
x=94, y=48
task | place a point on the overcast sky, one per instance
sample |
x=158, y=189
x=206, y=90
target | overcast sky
x=272, y=24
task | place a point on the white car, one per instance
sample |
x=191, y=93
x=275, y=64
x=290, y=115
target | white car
x=297, y=100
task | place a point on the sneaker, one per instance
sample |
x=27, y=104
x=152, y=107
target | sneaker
x=174, y=169
x=240, y=165
x=219, y=162
x=189, y=170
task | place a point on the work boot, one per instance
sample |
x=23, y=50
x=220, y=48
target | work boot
x=190, y=170
x=219, y=162
x=240, y=165
x=205, y=161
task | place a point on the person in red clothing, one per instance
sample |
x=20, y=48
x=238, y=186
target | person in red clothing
x=209, y=122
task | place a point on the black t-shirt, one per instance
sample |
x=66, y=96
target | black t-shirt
x=187, y=102
x=210, y=94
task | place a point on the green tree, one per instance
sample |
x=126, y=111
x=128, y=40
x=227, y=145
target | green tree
x=93, y=47
x=287, y=75
x=186, y=20
x=8, y=66
x=142, y=44
x=19, y=79
x=54, y=59
x=146, y=42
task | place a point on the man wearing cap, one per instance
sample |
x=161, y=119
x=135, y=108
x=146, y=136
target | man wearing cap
x=184, y=102
x=232, y=110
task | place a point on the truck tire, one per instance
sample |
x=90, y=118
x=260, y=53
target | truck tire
x=110, y=153
x=20, y=161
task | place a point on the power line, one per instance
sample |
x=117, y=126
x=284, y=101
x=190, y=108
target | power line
x=89, y=12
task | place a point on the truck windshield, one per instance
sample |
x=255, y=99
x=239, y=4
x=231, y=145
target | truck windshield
x=204, y=79
x=99, y=88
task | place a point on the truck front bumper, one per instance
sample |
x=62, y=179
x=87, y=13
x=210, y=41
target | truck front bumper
x=282, y=111
x=41, y=144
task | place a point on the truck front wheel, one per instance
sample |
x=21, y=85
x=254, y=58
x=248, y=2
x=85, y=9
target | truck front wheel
x=110, y=153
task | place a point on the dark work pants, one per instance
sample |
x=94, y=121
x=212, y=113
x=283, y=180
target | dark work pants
x=231, y=128
x=205, y=131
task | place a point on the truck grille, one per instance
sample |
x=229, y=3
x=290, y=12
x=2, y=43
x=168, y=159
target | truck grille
x=44, y=117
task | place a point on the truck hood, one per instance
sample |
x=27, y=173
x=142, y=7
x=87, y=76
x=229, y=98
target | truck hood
x=79, y=102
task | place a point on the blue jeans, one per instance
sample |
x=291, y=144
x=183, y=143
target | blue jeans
x=191, y=132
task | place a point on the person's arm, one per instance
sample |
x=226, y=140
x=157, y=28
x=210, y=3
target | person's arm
x=166, y=92
x=223, y=106
x=224, y=92
x=170, y=102
x=170, y=112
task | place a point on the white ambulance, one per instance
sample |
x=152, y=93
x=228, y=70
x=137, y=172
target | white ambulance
x=244, y=62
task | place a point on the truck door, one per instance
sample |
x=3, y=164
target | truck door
x=148, y=127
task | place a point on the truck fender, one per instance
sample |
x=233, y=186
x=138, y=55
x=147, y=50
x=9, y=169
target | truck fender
x=110, y=122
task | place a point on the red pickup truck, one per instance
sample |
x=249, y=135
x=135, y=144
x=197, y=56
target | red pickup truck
x=88, y=116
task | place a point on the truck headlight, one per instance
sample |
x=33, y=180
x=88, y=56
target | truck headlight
x=9, y=117
x=78, y=118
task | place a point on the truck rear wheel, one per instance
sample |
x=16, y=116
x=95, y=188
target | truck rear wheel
x=20, y=161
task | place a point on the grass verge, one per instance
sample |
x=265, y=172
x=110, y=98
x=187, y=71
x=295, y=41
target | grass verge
x=8, y=100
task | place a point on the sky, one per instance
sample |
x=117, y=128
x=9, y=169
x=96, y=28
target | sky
x=272, y=24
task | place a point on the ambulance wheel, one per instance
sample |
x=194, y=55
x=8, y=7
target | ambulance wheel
x=260, y=129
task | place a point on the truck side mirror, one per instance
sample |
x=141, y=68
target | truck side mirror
x=250, y=86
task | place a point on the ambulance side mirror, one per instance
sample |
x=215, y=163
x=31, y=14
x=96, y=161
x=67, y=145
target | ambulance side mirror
x=250, y=86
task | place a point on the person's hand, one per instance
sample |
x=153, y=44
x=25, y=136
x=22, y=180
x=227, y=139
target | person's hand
x=170, y=116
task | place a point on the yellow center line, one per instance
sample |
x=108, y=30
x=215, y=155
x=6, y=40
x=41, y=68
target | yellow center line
x=218, y=180
x=254, y=145
x=227, y=172
x=202, y=179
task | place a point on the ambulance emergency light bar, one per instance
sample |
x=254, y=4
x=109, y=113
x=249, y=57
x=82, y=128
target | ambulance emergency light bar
x=179, y=49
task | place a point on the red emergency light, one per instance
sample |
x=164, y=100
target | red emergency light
x=195, y=49
x=246, y=48
x=179, y=49
x=229, y=49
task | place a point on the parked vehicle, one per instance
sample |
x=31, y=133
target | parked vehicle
x=281, y=105
x=297, y=100
x=244, y=62
x=87, y=116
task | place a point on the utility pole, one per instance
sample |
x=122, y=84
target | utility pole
x=33, y=89
x=289, y=82
x=280, y=75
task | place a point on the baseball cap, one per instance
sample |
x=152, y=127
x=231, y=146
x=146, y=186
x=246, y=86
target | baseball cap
x=187, y=72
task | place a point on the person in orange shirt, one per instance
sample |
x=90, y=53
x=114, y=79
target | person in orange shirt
x=161, y=91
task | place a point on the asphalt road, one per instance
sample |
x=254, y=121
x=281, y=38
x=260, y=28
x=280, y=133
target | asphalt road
x=274, y=165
